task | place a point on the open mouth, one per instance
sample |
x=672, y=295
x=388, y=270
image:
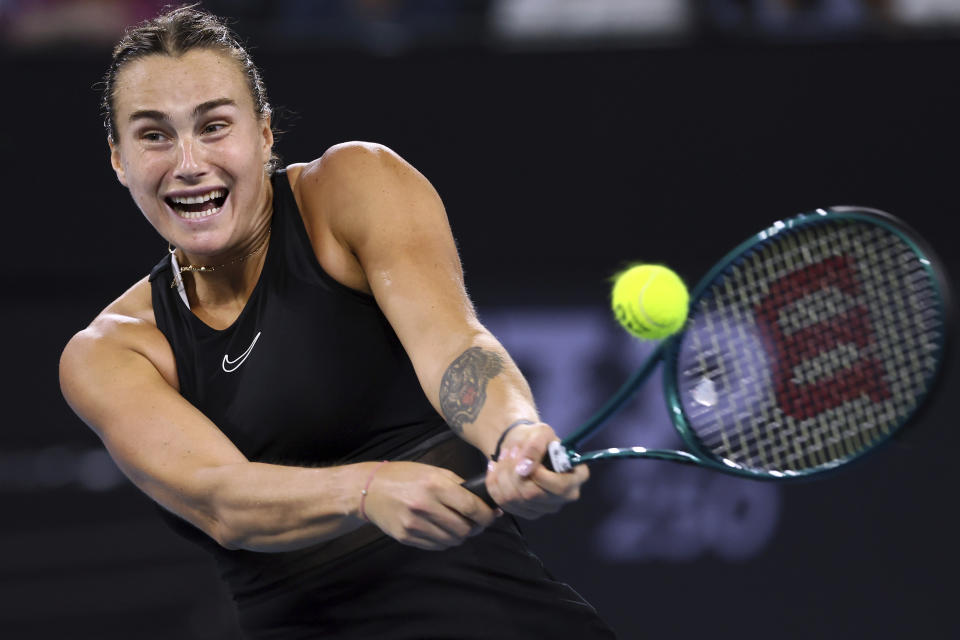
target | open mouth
x=199, y=206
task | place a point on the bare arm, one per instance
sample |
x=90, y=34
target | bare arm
x=118, y=376
x=395, y=227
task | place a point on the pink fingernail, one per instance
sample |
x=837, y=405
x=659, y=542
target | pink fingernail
x=491, y=465
x=525, y=467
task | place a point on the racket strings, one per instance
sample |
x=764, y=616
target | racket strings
x=811, y=348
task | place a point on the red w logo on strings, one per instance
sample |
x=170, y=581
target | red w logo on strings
x=865, y=376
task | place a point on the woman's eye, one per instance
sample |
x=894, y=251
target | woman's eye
x=153, y=136
x=214, y=127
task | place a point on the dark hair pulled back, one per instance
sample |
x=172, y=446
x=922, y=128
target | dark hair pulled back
x=174, y=33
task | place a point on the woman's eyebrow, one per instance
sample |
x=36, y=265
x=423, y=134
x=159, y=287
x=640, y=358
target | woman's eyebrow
x=200, y=109
x=203, y=107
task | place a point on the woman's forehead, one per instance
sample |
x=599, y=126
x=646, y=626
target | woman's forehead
x=179, y=83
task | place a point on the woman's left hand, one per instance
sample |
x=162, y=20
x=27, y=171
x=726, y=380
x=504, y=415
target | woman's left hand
x=519, y=482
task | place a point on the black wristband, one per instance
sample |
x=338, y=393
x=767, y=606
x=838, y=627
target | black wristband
x=496, y=452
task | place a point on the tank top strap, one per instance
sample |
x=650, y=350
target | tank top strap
x=174, y=320
x=292, y=242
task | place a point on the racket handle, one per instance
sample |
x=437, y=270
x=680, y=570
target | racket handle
x=555, y=459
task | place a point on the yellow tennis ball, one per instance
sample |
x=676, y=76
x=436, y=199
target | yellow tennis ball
x=650, y=301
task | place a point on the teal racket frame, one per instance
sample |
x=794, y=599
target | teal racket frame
x=667, y=351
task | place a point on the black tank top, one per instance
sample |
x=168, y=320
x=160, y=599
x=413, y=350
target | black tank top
x=311, y=373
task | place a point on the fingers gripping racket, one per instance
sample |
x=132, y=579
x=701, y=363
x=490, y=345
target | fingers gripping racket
x=805, y=348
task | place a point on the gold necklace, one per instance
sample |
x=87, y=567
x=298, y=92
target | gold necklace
x=204, y=269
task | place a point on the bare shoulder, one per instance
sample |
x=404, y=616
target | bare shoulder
x=354, y=191
x=126, y=325
x=359, y=186
x=345, y=159
x=129, y=319
x=351, y=173
x=134, y=303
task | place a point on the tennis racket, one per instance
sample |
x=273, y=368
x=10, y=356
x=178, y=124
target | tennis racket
x=806, y=347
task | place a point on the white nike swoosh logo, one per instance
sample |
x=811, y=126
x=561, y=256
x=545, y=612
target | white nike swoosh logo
x=230, y=366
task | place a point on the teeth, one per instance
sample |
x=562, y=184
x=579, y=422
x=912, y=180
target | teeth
x=219, y=193
x=192, y=215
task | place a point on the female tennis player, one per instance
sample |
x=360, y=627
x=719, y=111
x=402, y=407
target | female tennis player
x=290, y=381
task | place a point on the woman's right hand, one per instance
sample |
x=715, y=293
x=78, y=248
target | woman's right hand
x=424, y=506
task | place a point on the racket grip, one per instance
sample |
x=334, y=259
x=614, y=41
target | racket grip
x=556, y=459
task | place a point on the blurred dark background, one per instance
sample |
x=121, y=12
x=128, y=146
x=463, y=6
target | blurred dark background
x=566, y=138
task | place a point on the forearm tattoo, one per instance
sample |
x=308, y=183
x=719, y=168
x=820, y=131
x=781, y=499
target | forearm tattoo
x=463, y=389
